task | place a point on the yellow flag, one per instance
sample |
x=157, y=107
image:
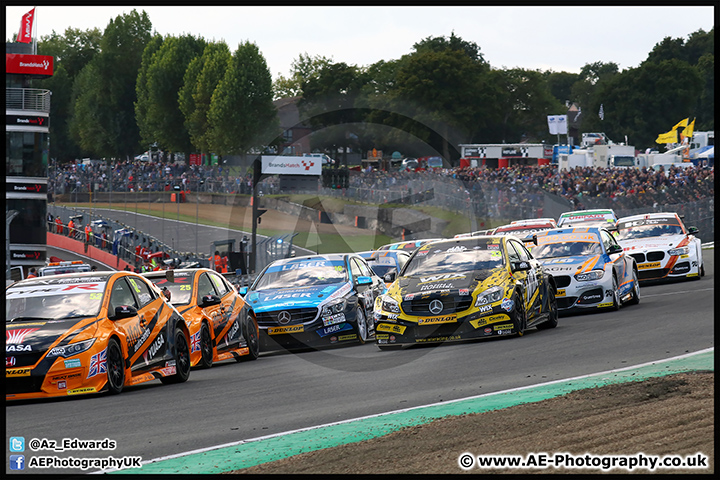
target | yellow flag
x=668, y=137
x=688, y=132
x=681, y=123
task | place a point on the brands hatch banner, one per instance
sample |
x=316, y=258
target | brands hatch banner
x=291, y=165
x=29, y=64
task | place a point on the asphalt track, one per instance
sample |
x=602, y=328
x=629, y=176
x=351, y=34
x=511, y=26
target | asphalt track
x=231, y=404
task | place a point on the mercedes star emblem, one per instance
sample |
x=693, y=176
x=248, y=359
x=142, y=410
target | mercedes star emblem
x=436, y=306
x=284, y=317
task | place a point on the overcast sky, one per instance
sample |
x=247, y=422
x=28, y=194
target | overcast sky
x=543, y=37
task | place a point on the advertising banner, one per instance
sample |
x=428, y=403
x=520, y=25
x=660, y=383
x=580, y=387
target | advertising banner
x=291, y=165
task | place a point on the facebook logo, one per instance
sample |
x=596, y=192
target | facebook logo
x=17, y=444
x=17, y=462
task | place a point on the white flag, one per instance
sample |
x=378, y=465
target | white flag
x=557, y=124
x=553, y=124
x=562, y=124
x=601, y=113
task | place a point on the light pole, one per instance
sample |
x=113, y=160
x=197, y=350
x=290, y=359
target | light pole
x=177, y=222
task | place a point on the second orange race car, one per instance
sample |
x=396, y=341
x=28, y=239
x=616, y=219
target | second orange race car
x=217, y=316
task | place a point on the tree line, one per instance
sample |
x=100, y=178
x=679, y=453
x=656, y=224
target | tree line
x=119, y=91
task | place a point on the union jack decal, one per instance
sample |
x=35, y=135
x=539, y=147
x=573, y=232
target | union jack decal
x=98, y=364
x=195, y=342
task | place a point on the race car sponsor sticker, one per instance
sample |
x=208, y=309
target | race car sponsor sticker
x=505, y=326
x=287, y=329
x=644, y=266
x=603, y=305
x=75, y=362
x=386, y=327
x=323, y=332
x=342, y=338
x=77, y=391
x=463, y=291
x=434, y=320
x=18, y=372
x=479, y=322
x=560, y=293
x=507, y=304
x=333, y=319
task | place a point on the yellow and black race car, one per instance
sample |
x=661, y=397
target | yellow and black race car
x=84, y=333
x=471, y=287
x=217, y=316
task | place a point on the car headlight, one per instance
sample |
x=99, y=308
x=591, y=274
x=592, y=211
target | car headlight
x=390, y=305
x=591, y=275
x=70, y=350
x=679, y=251
x=336, y=306
x=490, y=295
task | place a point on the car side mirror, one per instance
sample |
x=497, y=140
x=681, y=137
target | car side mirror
x=520, y=266
x=389, y=277
x=209, y=300
x=693, y=230
x=614, y=248
x=530, y=239
x=362, y=280
x=243, y=291
x=170, y=276
x=124, y=311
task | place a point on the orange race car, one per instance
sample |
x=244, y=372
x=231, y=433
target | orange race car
x=90, y=332
x=217, y=316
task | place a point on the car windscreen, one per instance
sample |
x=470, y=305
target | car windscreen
x=567, y=245
x=180, y=289
x=63, y=298
x=382, y=264
x=646, y=228
x=302, y=273
x=432, y=259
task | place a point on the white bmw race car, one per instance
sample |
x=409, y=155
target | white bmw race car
x=662, y=246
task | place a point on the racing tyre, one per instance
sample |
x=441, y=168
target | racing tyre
x=616, y=295
x=206, y=347
x=635, y=294
x=115, y=368
x=182, y=360
x=552, y=320
x=252, y=340
x=362, y=326
x=518, y=319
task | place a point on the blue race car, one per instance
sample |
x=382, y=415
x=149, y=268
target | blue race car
x=314, y=301
x=590, y=269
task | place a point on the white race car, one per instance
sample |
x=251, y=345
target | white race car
x=662, y=246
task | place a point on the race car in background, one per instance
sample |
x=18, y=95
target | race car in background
x=525, y=228
x=217, y=316
x=408, y=246
x=312, y=301
x=601, y=218
x=466, y=288
x=59, y=268
x=386, y=263
x=85, y=333
x=662, y=246
x=590, y=269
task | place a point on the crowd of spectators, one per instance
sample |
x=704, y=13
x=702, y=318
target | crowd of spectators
x=139, y=176
x=520, y=186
